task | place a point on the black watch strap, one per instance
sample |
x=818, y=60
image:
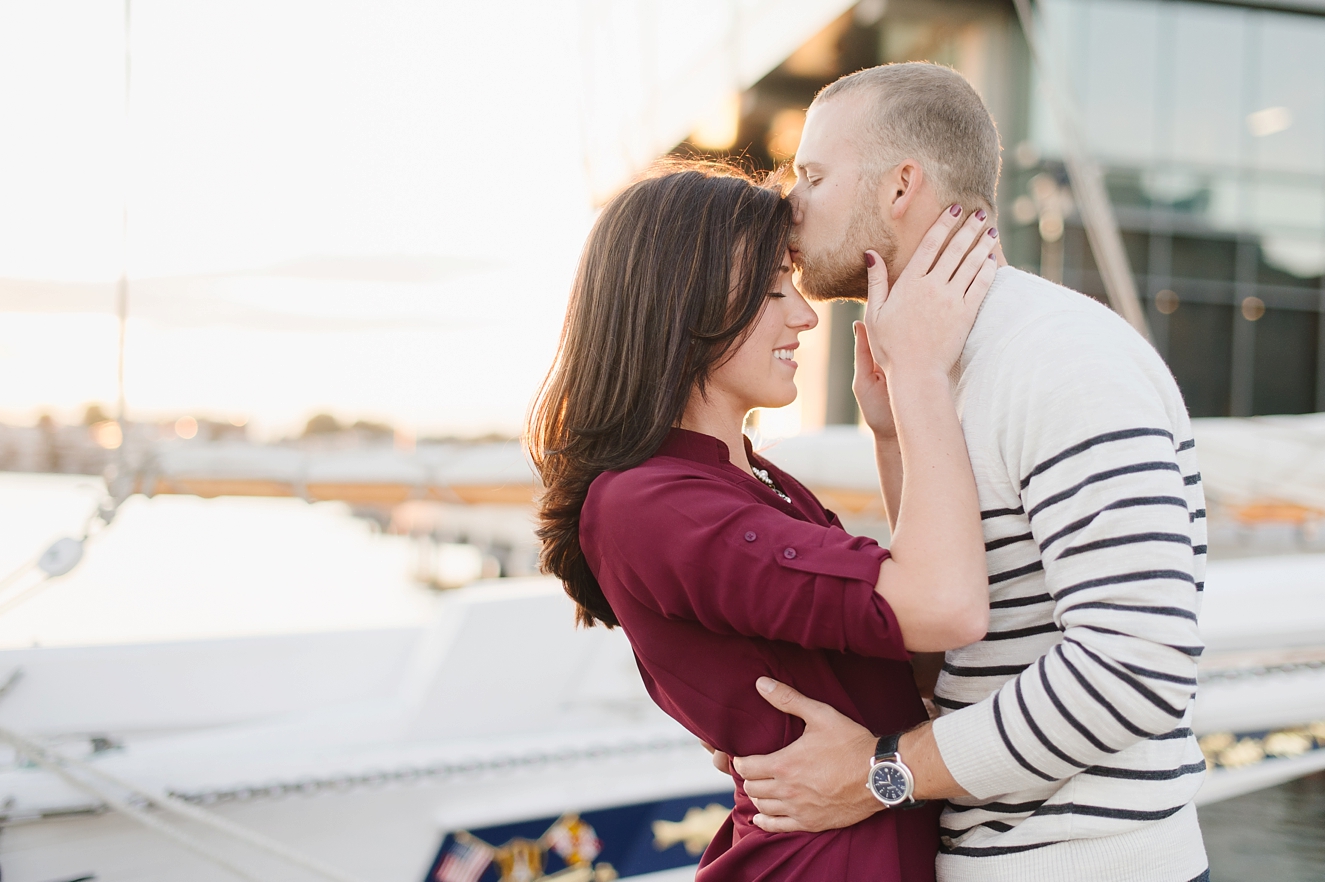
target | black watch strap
x=887, y=746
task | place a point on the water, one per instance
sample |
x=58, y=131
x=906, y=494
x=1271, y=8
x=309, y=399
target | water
x=1275, y=835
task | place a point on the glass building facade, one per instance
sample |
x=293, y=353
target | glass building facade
x=1208, y=120
x=1210, y=123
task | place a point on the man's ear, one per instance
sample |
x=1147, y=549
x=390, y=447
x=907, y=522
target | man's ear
x=901, y=187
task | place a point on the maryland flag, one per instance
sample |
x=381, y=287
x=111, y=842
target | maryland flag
x=574, y=840
x=520, y=861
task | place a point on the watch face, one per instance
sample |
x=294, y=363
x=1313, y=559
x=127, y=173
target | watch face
x=890, y=782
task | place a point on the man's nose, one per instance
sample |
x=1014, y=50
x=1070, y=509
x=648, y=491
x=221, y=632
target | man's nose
x=794, y=197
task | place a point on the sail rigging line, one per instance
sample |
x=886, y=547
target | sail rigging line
x=1106, y=240
x=17, y=573
x=61, y=564
x=26, y=594
x=62, y=766
x=10, y=681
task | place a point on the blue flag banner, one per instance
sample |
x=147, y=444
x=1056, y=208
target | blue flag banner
x=594, y=846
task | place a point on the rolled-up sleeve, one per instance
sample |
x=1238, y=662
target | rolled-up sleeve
x=697, y=548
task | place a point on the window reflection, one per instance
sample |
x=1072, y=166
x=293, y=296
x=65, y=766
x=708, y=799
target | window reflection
x=1210, y=124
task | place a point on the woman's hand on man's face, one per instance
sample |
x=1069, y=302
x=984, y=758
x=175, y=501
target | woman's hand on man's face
x=871, y=388
x=922, y=322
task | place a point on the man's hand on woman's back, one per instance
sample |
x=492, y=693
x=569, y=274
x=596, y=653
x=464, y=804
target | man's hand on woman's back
x=818, y=781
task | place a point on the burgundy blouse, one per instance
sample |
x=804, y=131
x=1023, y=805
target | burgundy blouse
x=717, y=581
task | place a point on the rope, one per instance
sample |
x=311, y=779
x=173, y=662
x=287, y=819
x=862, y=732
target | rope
x=26, y=594
x=171, y=805
x=441, y=772
x=17, y=573
x=193, y=844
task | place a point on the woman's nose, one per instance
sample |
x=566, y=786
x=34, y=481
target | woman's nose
x=806, y=319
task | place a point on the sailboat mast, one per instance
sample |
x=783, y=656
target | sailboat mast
x=122, y=292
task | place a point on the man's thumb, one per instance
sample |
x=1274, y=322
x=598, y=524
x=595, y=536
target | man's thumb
x=786, y=699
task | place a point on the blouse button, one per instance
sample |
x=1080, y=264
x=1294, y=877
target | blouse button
x=789, y=553
x=750, y=536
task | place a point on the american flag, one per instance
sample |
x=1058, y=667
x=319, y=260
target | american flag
x=465, y=861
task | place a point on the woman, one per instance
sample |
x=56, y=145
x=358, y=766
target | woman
x=720, y=567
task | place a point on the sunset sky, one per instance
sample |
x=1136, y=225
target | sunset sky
x=348, y=207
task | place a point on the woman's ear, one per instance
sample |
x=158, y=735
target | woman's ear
x=902, y=187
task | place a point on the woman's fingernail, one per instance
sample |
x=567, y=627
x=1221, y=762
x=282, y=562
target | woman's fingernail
x=869, y=259
x=765, y=684
x=993, y=232
x=979, y=214
x=955, y=211
x=991, y=255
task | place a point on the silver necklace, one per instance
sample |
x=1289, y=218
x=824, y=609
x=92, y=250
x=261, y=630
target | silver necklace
x=762, y=475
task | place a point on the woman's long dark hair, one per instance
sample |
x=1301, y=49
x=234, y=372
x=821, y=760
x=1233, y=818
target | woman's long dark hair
x=675, y=271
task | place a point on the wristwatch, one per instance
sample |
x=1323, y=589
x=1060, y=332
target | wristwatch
x=890, y=780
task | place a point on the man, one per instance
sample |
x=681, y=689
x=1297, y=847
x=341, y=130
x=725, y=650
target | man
x=1063, y=742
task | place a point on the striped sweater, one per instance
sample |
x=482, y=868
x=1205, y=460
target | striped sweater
x=1070, y=722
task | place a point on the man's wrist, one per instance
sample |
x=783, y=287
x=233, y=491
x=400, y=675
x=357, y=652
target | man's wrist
x=932, y=778
x=865, y=798
x=911, y=738
x=910, y=746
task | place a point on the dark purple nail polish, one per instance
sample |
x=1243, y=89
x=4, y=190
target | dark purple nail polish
x=956, y=211
x=993, y=232
x=979, y=214
x=869, y=259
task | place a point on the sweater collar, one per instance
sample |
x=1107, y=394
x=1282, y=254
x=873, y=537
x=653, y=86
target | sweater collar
x=992, y=318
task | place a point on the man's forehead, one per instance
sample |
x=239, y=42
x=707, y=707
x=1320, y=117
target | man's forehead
x=831, y=131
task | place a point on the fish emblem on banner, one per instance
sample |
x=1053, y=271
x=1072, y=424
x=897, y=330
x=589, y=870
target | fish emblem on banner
x=696, y=830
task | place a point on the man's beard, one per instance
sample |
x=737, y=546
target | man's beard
x=839, y=273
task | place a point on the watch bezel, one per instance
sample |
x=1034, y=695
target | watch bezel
x=896, y=763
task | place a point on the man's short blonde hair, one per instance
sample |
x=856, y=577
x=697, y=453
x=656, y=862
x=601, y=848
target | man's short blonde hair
x=929, y=113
